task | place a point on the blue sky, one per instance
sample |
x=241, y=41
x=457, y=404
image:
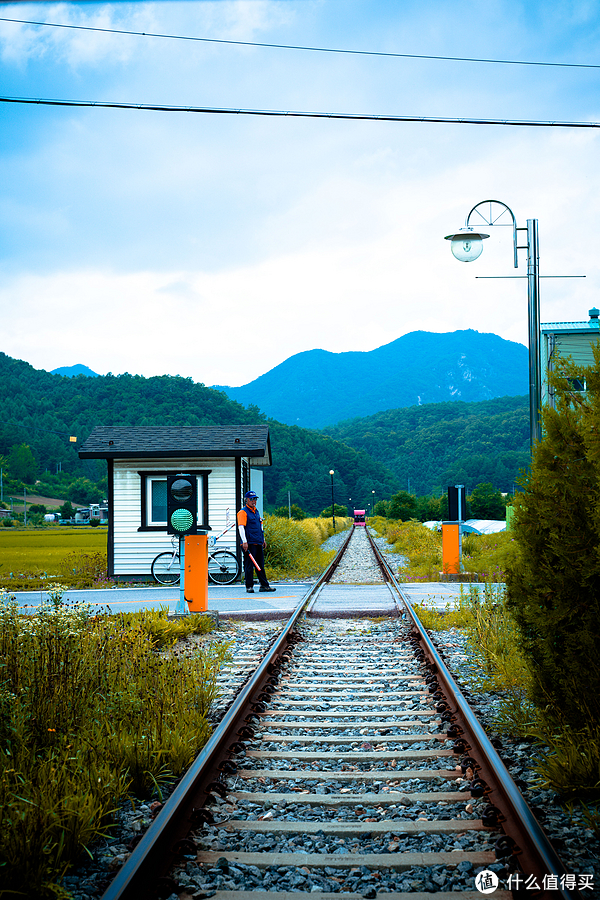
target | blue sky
x=217, y=246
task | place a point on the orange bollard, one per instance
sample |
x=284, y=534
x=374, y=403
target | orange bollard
x=450, y=549
x=196, y=572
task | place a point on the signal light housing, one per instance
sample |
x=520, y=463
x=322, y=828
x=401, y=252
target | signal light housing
x=182, y=505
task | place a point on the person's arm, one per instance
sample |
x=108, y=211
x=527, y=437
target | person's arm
x=242, y=518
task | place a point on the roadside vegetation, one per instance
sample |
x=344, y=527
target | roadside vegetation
x=294, y=547
x=91, y=709
x=485, y=556
x=534, y=641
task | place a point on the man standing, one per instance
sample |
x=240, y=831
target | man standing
x=253, y=543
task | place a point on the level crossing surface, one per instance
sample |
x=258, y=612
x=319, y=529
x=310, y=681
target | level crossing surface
x=233, y=599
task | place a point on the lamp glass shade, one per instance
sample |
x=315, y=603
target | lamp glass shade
x=466, y=244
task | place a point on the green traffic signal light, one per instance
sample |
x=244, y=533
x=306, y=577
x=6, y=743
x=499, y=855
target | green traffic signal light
x=182, y=504
x=182, y=520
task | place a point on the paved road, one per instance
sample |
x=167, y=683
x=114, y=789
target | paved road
x=234, y=599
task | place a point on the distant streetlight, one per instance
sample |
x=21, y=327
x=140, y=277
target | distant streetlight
x=373, y=505
x=332, y=473
x=467, y=245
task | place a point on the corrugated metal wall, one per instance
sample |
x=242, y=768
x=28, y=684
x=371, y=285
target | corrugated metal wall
x=577, y=346
x=135, y=550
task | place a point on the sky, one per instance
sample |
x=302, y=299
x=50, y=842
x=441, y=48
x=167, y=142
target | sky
x=216, y=246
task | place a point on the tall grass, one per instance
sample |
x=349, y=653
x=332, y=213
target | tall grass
x=496, y=661
x=88, y=711
x=483, y=555
x=421, y=548
x=488, y=555
x=567, y=760
x=294, y=548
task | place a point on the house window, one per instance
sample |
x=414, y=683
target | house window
x=577, y=384
x=157, y=500
x=154, y=499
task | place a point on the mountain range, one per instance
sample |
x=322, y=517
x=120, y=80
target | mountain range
x=318, y=388
x=73, y=371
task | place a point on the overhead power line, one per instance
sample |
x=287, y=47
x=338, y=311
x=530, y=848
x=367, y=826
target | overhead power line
x=358, y=117
x=182, y=37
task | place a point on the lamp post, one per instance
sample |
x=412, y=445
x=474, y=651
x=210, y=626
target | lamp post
x=331, y=472
x=467, y=245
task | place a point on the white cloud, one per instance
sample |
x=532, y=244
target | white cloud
x=118, y=226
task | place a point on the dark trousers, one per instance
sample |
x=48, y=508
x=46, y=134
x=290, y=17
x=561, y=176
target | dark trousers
x=257, y=552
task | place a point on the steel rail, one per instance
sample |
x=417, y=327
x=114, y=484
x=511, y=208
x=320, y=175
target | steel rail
x=158, y=849
x=534, y=851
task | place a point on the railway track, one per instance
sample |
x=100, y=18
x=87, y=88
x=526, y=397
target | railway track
x=350, y=762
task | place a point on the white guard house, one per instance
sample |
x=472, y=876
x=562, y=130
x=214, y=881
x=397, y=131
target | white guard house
x=227, y=460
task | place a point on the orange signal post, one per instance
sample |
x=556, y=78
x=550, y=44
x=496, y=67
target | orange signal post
x=196, y=572
x=450, y=548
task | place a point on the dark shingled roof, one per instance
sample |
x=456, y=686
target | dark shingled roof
x=123, y=442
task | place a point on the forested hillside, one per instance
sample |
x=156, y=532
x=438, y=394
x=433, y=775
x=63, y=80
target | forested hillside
x=316, y=389
x=446, y=443
x=42, y=410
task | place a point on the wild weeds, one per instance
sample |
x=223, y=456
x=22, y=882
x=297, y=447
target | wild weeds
x=294, y=548
x=421, y=548
x=496, y=661
x=442, y=619
x=484, y=556
x=88, y=710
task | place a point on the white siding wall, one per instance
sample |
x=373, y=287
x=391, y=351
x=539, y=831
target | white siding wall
x=577, y=346
x=134, y=550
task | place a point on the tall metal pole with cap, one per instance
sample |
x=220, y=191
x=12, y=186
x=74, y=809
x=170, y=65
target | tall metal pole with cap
x=331, y=472
x=467, y=245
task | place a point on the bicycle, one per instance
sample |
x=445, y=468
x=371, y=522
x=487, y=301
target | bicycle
x=223, y=566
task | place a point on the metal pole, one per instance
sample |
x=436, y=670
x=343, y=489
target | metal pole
x=533, y=311
x=25, y=503
x=332, y=501
x=289, y=505
x=182, y=609
x=460, y=488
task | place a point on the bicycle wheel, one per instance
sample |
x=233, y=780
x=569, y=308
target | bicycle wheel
x=222, y=567
x=165, y=568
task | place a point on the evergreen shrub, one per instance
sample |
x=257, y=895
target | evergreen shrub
x=554, y=580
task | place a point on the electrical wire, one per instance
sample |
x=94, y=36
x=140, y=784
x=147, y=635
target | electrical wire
x=358, y=117
x=180, y=37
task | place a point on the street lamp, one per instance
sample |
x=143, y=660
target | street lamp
x=467, y=245
x=331, y=472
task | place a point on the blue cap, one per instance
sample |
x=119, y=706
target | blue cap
x=250, y=495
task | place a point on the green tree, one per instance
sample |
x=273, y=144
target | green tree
x=403, y=506
x=339, y=511
x=428, y=509
x=554, y=584
x=38, y=508
x=22, y=464
x=284, y=512
x=486, y=503
x=83, y=491
x=66, y=510
x=381, y=508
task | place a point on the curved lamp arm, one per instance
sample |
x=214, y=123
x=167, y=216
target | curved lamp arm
x=495, y=210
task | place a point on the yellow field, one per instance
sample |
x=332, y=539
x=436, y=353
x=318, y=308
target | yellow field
x=42, y=549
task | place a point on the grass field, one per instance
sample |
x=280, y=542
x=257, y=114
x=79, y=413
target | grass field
x=41, y=550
